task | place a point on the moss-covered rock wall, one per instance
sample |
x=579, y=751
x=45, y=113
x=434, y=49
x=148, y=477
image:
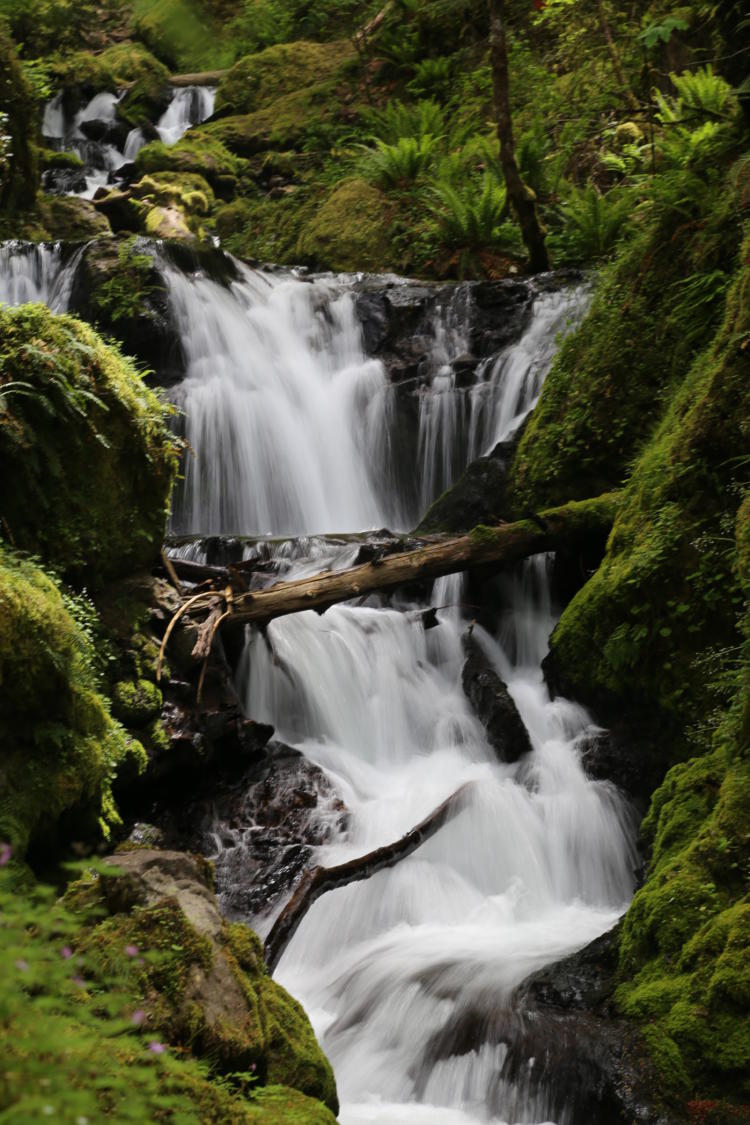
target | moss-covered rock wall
x=86, y=445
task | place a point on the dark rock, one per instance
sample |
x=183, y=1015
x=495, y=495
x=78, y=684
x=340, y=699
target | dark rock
x=108, y=275
x=266, y=824
x=590, y=1065
x=493, y=704
x=478, y=496
x=63, y=181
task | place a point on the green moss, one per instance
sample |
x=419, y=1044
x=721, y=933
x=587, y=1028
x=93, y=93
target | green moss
x=86, y=445
x=199, y=152
x=59, y=746
x=655, y=306
x=49, y=158
x=19, y=166
x=667, y=589
x=183, y=33
x=134, y=703
x=71, y=219
x=349, y=231
x=262, y=79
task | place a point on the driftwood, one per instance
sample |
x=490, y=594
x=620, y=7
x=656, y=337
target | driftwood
x=568, y=526
x=318, y=880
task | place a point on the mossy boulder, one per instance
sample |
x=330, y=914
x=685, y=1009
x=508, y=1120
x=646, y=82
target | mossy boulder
x=86, y=445
x=59, y=746
x=82, y=74
x=135, y=702
x=302, y=118
x=199, y=152
x=205, y=983
x=71, y=219
x=262, y=79
x=19, y=165
x=350, y=230
x=654, y=308
x=182, y=33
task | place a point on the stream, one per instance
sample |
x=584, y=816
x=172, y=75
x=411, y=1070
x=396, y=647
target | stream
x=297, y=435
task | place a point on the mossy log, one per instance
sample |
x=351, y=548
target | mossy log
x=569, y=526
x=318, y=880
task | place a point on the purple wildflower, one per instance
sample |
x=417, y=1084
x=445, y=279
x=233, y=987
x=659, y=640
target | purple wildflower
x=22, y=966
x=131, y=950
x=66, y=953
x=6, y=851
x=138, y=1017
x=157, y=1048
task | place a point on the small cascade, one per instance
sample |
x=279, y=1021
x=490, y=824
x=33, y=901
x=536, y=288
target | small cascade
x=458, y=423
x=288, y=419
x=410, y=976
x=37, y=272
x=190, y=105
x=103, y=142
x=507, y=387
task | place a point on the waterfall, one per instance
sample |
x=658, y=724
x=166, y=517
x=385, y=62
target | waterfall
x=97, y=145
x=409, y=976
x=37, y=272
x=287, y=418
x=189, y=106
x=459, y=424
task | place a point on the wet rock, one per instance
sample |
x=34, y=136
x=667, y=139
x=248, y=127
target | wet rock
x=478, y=496
x=118, y=288
x=71, y=219
x=265, y=825
x=63, y=181
x=493, y=704
x=571, y=1047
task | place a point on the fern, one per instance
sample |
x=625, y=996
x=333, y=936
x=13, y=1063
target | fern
x=592, y=223
x=469, y=217
x=399, y=164
x=431, y=78
x=398, y=120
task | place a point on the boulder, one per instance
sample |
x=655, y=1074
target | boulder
x=479, y=496
x=569, y=1046
x=208, y=990
x=493, y=704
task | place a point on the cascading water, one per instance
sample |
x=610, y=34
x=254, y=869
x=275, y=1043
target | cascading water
x=409, y=976
x=37, y=272
x=95, y=133
x=287, y=416
x=189, y=106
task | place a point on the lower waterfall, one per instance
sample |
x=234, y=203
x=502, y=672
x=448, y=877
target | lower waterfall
x=409, y=976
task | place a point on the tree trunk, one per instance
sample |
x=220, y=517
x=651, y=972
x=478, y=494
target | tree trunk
x=318, y=880
x=522, y=199
x=615, y=58
x=571, y=525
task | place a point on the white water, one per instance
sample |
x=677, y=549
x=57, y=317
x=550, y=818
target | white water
x=292, y=425
x=189, y=105
x=289, y=420
x=538, y=864
x=36, y=272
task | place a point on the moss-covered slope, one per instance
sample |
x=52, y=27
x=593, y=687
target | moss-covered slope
x=86, y=446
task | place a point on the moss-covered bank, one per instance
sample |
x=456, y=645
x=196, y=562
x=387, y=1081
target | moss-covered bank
x=86, y=445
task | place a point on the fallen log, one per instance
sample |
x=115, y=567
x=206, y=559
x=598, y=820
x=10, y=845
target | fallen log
x=199, y=78
x=570, y=526
x=318, y=880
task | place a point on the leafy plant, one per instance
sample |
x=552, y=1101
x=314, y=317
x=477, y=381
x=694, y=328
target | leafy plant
x=662, y=32
x=432, y=78
x=592, y=223
x=397, y=120
x=399, y=164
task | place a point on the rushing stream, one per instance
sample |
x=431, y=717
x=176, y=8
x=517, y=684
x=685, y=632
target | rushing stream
x=408, y=976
